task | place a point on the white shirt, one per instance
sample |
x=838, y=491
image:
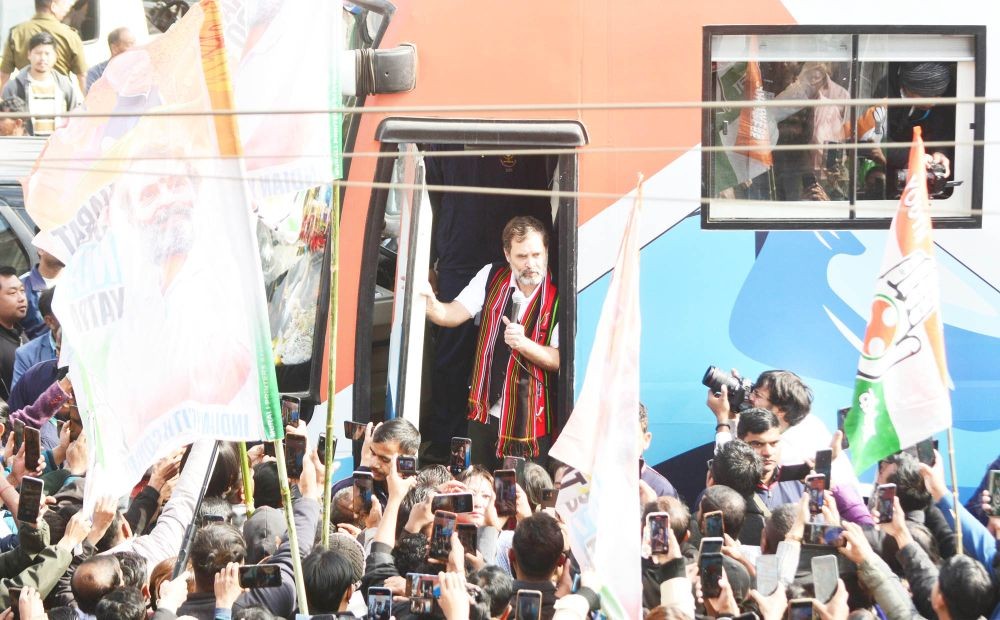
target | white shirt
x=473, y=296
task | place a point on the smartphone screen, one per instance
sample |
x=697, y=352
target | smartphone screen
x=321, y=447
x=710, y=545
x=468, y=535
x=31, y=499
x=295, y=453
x=379, y=603
x=406, y=466
x=710, y=567
x=816, y=484
x=884, y=505
x=658, y=524
x=548, y=498
x=505, y=485
x=822, y=534
x=260, y=576
x=452, y=502
x=355, y=431
x=841, y=418
x=515, y=463
x=290, y=410
x=32, y=448
x=14, y=596
x=793, y=472
x=767, y=574
x=714, y=527
x=824, y=464
x=825, y=574
x=528, y=605
x=364, y=486
x=461, y=455
x=995, y=491
x=444, y=526
x=925, y=451
x=800, y=609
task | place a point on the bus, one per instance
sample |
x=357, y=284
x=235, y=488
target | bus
x=747, y=264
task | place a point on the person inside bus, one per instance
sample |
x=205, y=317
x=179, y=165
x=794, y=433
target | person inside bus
x=517, y=349
x=466, y=235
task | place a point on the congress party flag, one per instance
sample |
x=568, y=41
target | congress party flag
x=164, y=321
x=901, y=392
x=599, y=442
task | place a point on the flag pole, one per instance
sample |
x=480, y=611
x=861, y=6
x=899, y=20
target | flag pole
x=180, y=565
x=293, y=538
x=247, y=478
x=331, y=385
x=954, y=490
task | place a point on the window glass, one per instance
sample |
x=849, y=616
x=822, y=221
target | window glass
x=11, y=251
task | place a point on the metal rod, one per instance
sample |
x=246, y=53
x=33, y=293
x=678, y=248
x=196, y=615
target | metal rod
x=182, y=556
x=954, y=490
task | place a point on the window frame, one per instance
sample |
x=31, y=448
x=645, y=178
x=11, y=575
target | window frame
x=972, y=221
x=483, y=133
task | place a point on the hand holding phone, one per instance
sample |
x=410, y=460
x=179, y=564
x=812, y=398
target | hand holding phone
x=658, y=524
x=461, y=455
x=295, y=452
x=260, y=576
x=528, y=605
x=710, y=569
x=364, y=487
x=452, y=502
x=379, y=603
x=444, y=527
x=32, y=448
x=406, y=466
x=714, y=527
x=468, y=535
x=816, y=485
x=824, y=464
x=355, y=431
x=290, y=406
x=825, y=573
x=505, y=485
x=30, y=504
x=995, y=492
x=885, y=506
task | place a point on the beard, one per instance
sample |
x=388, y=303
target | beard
x=529, y=278
x=169, y=233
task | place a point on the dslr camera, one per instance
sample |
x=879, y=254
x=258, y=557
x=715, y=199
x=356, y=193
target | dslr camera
x=738, y=387
x=937, y=181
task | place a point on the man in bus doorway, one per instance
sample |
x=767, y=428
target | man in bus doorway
x=517, y=350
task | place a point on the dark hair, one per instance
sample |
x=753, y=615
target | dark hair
x=121, y=604
x=756, y=421
x=910, y=489
x=414, y=496
x=787, y=391
x=253, y=613
x=777, y=526
x=214, y=507
x=536, y=480
x=212, y=548
x=61, y=613
x=327, y=575
x=519, y=227
x=266, y=491
x=924, y=539
x=344, y=514
x=731, y=503
x=966, y=588
x=42, y=38
x=227, y=475
x=45, y=301
x=643, y=418
x=497, y=585
x=680, y=515
x=738, y=467
x=94, y=578
x=133, y=568
x=115, y=36
x=434, y=475
x=410, y=554
x=7, y=271
x=400, y=430
x=537, y=546
x=13, y=104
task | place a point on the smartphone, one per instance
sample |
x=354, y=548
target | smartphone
x=461, y=455
x=444, y=527
x=517, y=464
x=995, y=492
x=364, y=486
x=822, y=534
x=833, y=156
x=808, y=180
x=321, y=447
x=468, y=535
x=14, y=596
x=824, y=464
x=290, y=410
x=825, y=574
x=528, y=605
x=31, y=499
x=413, y=583
x=548, y=498
x=379, y=603
x=212, y=519
x=884, y=504
x=295, y=452
x=710, y=545
x=925, y=451
x=659, y=540
x=32, y=448
x=793, y=472
x=268, y=450
x=260, y=576
x=406, y=466
x=800, y=609
x=505, y=485
x=710, y=567
x=816, y=485
x=355, y=431
x=452, y=502
x=714, y=527
x=841, y=418
x=767, y=574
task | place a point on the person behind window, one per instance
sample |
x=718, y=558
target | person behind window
x=46, y=91
x=12, y=126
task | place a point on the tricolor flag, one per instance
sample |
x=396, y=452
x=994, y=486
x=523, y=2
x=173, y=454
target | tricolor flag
x=599, y=442
x=164, y=321
x=901, y=394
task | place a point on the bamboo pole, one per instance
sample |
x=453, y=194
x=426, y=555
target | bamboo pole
x=954, y=490
x=293, y=538
x=331, y=379
x=247, y=478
